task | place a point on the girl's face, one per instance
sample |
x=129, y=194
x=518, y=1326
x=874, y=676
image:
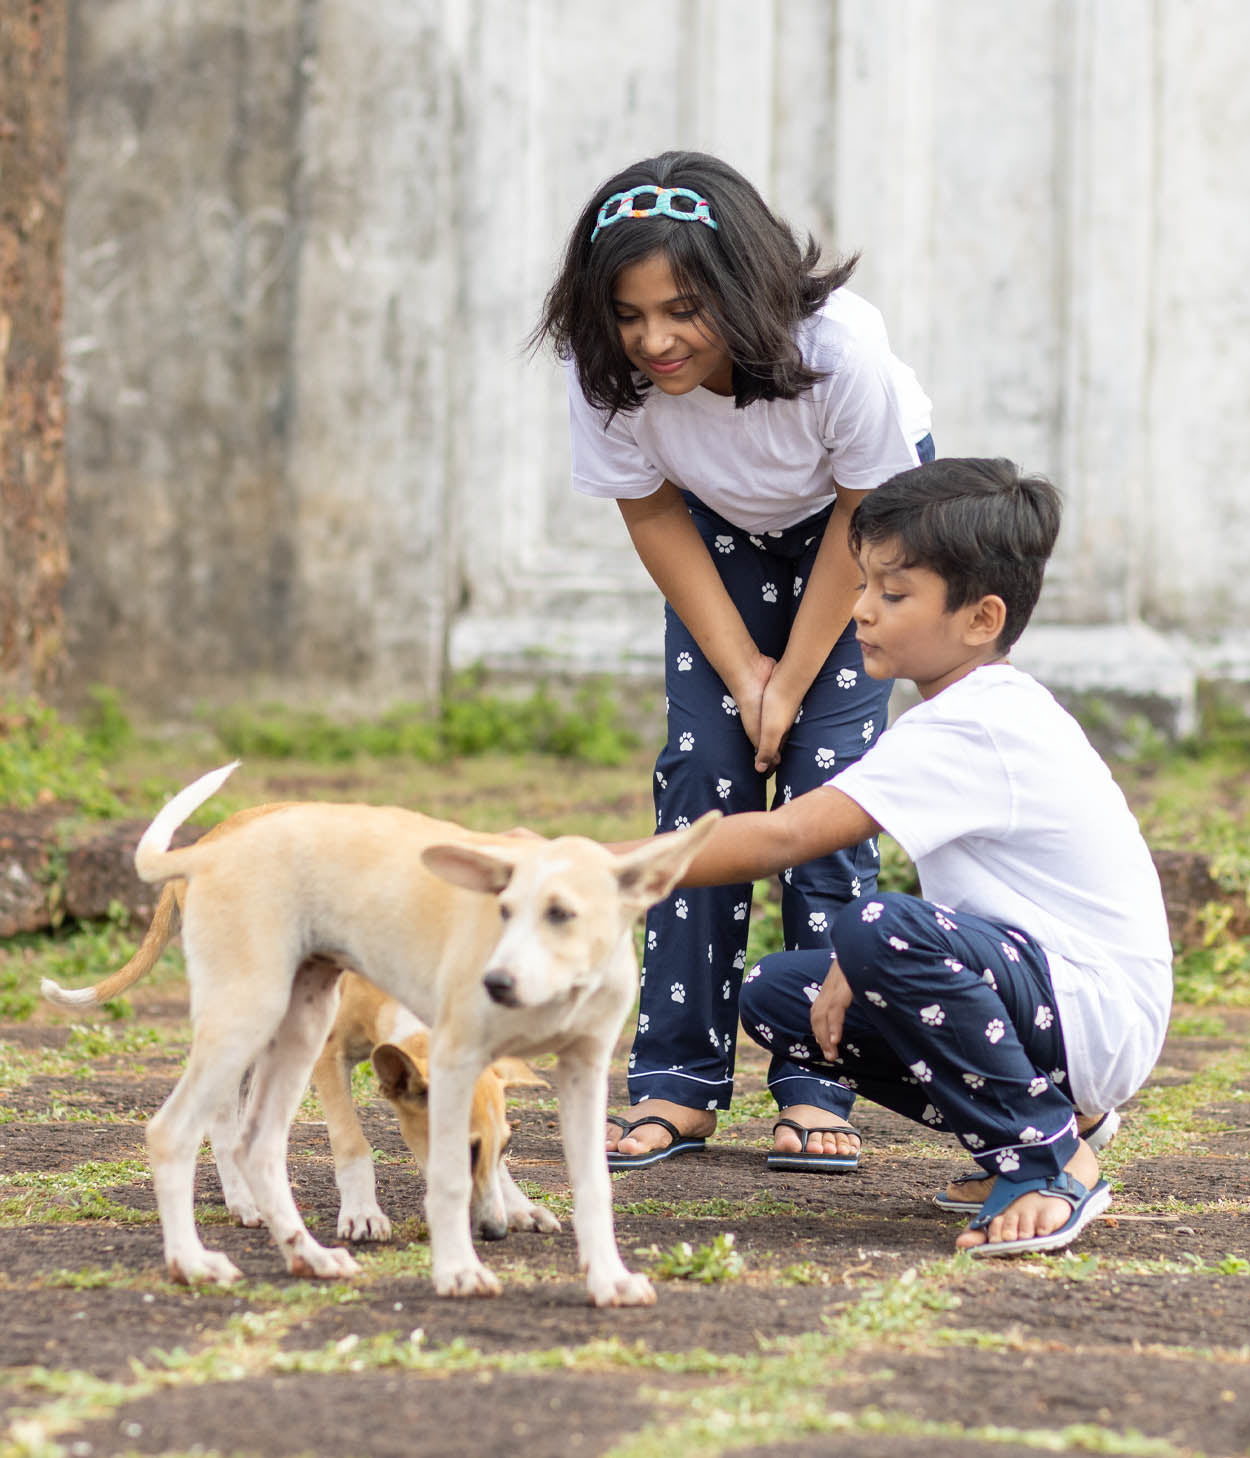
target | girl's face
x=663, y=334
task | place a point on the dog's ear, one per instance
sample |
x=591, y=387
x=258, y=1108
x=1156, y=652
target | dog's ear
x=398, y=1074
x=646, y=875
x=475, y=867
x=516, y=1073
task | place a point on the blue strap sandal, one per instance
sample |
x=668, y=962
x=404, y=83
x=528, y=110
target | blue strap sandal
x=804, y=1162
x=1097, y=1136
x=679, y=1143
x=1086, y=1205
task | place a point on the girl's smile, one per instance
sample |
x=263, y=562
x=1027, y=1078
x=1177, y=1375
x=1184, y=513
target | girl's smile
x=663, y=333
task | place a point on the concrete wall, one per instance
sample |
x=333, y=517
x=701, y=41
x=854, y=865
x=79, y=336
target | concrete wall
x=308, y=238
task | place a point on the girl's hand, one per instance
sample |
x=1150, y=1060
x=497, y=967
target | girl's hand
x=749, y=692
x=781, y=705
x=829, y=1011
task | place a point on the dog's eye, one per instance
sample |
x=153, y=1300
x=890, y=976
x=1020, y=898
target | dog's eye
x=504, y=913
x=557, y=915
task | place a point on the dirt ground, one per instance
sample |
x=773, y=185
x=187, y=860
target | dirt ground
x=1146, y=1347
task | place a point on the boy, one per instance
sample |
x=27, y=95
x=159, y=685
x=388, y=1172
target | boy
x=1034, y=981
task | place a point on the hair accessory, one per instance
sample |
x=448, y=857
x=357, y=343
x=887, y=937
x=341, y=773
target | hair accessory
x=696, y=212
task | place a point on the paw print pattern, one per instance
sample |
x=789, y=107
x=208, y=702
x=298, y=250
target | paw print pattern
x=974, y=1080
x=1019, y=936
x=798, y=586
x=856, y=888
x=740, y=959
x=1037, y=1086
x=869, y=729
x=765, y=1032
x=1057, y=1075
x=752, y=974
x=817, y=921
x=1007, y=1160
x=847, y=678
x=798, y=718
x=876, y=999
x=825, y=758
x=932, y=1016
x=932, y=1115
x=924, y=1074
x=851, y=1050
x=681, y=909
x=724, y=545
x=650, y=941
x=954, y=966
x=644, y=1023
x=677, y=992
x=714, y=1038
x=686, y=742
x=994, y=1030
x=711, y=953
x=798, y=1050
x=788, y=875
x=1009, y=952
x=1043, y=1017
x=726, y=990
x=974, y=1141
x=757, y=543
x=988, y=977
x=661, y=781
x=787, y=794
x=899, y=944
x=812, y=991
x=944, y=921
x=723, y=788
x=850, y=1083
x=1030, y=1135
x=740, y=911
x=769, y=592
x=685, y=662
x=682, y=823
x=729, y=705
x=871, y=911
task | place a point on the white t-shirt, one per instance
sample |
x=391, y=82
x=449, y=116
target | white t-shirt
x=773, y=463
x=1008, y=813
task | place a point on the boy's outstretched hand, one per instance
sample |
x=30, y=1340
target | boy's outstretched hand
x=829, y=1011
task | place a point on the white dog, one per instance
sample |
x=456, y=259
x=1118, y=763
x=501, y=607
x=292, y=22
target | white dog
x=503, y=945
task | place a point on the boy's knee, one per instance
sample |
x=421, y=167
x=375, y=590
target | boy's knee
x=862, y=932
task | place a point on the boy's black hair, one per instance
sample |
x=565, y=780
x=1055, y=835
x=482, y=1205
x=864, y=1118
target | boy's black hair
x=979, y=524
x=753, y=282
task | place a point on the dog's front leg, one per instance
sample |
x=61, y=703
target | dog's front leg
x=449, y=1186
x=582, y=1079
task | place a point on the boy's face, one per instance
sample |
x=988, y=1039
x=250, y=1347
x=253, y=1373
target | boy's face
x=905, y=631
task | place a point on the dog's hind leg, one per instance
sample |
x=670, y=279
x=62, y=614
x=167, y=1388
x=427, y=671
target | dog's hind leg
x=456, y=1269
x=223, y=1132
x=278, y=1083
x=581, y=1077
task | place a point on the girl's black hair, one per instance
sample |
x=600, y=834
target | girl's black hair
x=980, y=524
x=753, y=282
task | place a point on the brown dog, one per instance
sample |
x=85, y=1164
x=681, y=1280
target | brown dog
x=367, y=1025
x=503, y=946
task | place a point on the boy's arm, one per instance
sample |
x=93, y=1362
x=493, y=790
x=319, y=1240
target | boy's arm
x=761, y=843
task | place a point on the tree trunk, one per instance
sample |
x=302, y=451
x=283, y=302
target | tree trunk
x=32, y=456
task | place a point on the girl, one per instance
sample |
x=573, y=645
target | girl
x=736, y=404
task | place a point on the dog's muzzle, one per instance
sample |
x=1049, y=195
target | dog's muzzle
x=501, y=988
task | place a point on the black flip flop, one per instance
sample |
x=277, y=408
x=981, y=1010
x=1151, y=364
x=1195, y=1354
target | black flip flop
x=815, y=1163
x=681, y=1143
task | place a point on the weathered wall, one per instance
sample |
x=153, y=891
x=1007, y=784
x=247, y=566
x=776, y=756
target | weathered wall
x=32, y=467
x=307, y=240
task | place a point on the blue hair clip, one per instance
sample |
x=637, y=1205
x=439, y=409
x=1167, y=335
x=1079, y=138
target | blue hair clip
x=697, y=212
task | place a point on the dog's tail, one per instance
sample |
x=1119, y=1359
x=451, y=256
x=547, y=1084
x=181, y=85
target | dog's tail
x=154, y=861
x=157, y=937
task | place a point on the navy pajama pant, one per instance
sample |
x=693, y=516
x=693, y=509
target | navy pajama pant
x=696, y=941
x=953, y=1024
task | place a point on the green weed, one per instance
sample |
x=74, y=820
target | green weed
x=716, y=1261
x=44, y=759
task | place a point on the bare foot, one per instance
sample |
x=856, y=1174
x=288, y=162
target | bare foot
x=786, y=1141
x=698, y=1123
x=1035, y=1214
x=976, y=1192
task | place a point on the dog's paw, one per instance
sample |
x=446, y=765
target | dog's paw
x=364, y=1224
x=322, y=1263
x=534, y=1217
x=630, y=1289
x=246, y=1213
x=473, y=1280
x=203, y=1268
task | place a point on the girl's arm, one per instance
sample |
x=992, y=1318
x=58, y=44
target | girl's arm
x=828, y=598
x=671, y=549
